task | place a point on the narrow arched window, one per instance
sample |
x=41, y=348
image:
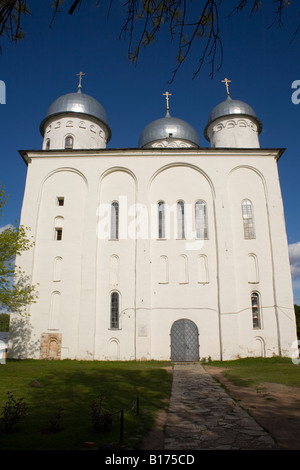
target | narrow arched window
x=180, y=219
x=114, y=221
x=161, y=220
x=255, y=306
x=201, y=220
x=47, y=146
x=114, y=310
x=248, y=219
x=69, y=141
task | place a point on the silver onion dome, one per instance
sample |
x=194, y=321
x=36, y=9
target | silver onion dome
x=231, y=107
x=168, y=128
x=77, y=103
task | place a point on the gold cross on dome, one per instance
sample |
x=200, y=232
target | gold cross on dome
x=167, y=94
x=226, y=81
x=80, y=77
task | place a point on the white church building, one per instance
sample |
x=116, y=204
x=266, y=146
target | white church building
x=166, y=251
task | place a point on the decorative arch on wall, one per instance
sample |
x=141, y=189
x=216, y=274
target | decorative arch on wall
x=72, y=184
x=202, y=269
x=114, y=270
x=58, y=221
x=182, y=164
x=50, y=346
x=58, y=170
x=265, y=190
x=163, y=270
x=114, y=349
x=256, y=171
x=260, y=346
x=171, y=209
x=209, y=195
x=252, y=269
x=183, y=269
x=57, y=268
x=54, y=314
x=115, y=169
x=104, y=230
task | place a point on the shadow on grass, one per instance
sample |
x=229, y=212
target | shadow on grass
x=71, y=387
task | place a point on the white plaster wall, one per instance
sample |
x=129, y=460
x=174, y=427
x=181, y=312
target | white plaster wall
x=116, y=184
x=183, y=296
x=149, y=308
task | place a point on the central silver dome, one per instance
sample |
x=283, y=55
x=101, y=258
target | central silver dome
x=168, y=128
x=77, y=103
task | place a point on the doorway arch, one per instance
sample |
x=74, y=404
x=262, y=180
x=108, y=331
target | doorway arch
x=184, y=341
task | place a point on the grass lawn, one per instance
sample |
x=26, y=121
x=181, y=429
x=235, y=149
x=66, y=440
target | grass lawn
x=73, y=386
x=250, y=372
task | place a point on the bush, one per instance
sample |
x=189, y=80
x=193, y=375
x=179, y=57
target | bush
x=13, y=411
x=54, y=423
x=101, y=416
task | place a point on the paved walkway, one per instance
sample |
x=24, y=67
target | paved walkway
x=202, y=416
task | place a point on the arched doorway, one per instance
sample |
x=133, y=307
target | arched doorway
x=184, y=341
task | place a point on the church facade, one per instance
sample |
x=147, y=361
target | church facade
x=167, y=251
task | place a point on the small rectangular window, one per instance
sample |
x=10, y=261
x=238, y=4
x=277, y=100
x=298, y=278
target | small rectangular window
x=58, y=234
x=60, y=201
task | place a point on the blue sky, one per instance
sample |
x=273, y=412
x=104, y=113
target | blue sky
x=261, y=62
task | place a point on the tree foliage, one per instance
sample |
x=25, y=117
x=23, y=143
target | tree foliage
x=4, y=322
x=16, y=291
x=186, y=20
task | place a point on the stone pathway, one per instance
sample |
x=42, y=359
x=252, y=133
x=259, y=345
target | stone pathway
x=203, y=416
